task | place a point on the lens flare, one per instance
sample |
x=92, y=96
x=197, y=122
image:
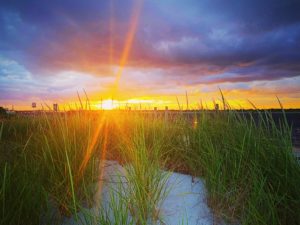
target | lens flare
x=128, y=44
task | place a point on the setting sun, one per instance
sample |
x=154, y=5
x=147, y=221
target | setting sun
x=108, y=104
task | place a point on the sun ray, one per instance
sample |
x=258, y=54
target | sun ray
x=102, y=158
x=111, y=36
x=91, y=146
x=128, y=44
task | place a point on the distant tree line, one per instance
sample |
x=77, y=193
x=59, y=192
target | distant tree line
x=2, y=111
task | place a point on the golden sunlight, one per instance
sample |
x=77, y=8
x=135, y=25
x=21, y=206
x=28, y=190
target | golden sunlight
x=108, y=104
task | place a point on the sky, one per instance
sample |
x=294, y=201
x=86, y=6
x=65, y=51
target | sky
x=150, y=52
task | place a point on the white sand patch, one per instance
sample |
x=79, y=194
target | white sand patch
x=185, y=203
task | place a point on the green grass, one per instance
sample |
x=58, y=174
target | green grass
x=146, y=182
x=52, y=162
x=251, y=173
x=44, y=155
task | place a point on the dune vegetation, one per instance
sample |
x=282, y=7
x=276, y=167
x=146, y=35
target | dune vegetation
x=51, y=161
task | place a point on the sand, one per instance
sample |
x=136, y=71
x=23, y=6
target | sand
x=186, y=202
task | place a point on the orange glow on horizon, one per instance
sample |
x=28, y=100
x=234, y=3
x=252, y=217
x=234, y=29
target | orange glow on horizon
x=196, y=101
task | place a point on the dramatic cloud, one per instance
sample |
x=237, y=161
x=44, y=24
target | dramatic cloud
x=179, y=43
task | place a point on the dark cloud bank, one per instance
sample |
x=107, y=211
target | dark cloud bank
x=226, y=41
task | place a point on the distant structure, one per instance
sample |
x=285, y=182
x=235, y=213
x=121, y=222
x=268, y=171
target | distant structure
x=166, y=112
x=216, y=106
x=155, y=108
x=33, y=105
x=55, y=107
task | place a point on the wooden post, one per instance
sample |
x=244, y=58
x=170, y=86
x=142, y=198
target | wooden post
x=155, y=112
x=166, y=113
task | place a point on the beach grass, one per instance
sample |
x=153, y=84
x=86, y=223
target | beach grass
x=251, y=174
x=50, y=162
